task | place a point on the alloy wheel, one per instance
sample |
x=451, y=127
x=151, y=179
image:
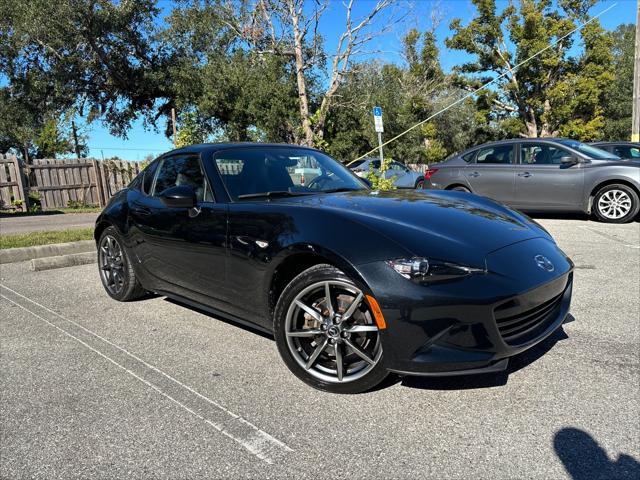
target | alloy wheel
x=330, y=332
x=614, y=204
x=111, y=262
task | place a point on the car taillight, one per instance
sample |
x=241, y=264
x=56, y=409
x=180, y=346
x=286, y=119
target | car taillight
x=428, y=172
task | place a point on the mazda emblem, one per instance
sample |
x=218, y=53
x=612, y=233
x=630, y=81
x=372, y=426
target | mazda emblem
x=544, y=263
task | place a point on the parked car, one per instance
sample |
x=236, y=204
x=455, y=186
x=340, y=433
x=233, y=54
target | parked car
x=404, y=176
x=545, y=174
x=630, y=150
x=353, y=283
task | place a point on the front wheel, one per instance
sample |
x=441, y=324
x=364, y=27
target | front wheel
x=326, y=333
x=116, y=272
x=616, y=203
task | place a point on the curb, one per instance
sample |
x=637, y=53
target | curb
x=12, y=255
x=62, y=261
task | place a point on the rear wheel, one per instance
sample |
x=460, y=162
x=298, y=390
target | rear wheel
x=419, y=184
x=326, y=333
x=616, y=203
x=116, y=272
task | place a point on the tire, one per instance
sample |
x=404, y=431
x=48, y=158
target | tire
x=419, y=184
x=116, y=272
x=460, y=188
x=303, y=339
x=616, y=203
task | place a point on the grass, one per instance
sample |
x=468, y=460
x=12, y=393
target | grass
x=13, y=213
x=45, y=238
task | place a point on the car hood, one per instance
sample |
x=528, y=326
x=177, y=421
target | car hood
x=447, y=225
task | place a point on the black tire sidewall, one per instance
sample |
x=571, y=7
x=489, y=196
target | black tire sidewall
x=312, y=275
x=635, y=203
x=419, y=184
x=131, y=288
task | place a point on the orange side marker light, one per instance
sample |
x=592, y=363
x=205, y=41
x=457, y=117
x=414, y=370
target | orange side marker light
x=377, y=313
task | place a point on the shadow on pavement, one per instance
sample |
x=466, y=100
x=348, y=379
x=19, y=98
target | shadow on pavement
x=491, y=379
x=584, y=458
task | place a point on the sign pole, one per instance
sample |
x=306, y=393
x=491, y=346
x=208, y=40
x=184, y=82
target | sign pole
x=377, y=119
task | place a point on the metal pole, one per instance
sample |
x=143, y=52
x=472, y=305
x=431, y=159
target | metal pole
x=173, y=122
x=380, y=147
x=635, y=122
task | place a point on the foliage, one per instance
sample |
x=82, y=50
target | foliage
x=378, y=180
x=619, y=92
x=190, y=131
x=552, y=93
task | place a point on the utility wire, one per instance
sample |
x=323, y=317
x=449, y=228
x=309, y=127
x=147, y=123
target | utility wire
x=460, y=100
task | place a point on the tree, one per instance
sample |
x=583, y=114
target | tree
x=289, y=29
x=541, y=93
x=95, y=57
x=619, y=93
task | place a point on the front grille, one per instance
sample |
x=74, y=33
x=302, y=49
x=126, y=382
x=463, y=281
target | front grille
x=527, y=325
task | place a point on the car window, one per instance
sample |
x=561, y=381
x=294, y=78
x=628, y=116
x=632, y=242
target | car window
x=247, y=171
x=398, y=166
x=627, y=152
x=468, y=157
x=375, y=164
x=541, y=154
x=181, y=170
x=356, y=163
x=148, y=176
x=588, y=150
x=500, y=154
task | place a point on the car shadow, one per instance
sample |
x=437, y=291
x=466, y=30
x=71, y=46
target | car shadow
x=583, y=458
x=488, y=380
x=221, y=318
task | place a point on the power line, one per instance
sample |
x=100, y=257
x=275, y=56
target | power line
x=460, y=100
x=132, y=149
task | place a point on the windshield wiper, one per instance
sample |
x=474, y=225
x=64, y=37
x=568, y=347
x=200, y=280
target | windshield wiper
x=273, y=194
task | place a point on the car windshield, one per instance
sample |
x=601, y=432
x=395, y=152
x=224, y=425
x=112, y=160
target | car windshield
x=270, y=172
x=588, y=150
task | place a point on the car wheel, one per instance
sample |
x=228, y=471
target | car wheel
x=616, y=203
x=326, y=333
x=419, y=184
x=116, y=272
x=460, y=188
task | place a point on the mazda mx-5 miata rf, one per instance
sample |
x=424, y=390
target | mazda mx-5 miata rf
x=353, y=283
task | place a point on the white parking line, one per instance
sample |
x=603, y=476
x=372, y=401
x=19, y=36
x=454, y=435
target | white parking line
x=253, y=439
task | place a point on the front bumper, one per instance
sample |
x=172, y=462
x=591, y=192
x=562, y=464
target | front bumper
x=472, y=325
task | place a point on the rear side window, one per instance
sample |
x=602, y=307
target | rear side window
x=627, y=152
x=147, y=177
x=468, y=157
x=500, y=154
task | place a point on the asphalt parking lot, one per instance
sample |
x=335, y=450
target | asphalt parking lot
x=92, y=387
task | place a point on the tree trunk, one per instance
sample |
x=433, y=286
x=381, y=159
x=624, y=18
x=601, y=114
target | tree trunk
x=74, y=132
x=531, y=123
x=303, y=97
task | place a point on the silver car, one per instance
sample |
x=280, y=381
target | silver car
x=550, y=174
x=404, y=177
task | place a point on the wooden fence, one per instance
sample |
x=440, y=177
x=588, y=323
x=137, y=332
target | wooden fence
x=61, y=183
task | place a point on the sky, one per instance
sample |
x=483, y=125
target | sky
x=386, y=47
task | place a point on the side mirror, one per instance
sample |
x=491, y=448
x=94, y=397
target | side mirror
x=569, y=160
x=181, y=196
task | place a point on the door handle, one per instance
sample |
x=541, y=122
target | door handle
x=474, y=174
x=525, y=174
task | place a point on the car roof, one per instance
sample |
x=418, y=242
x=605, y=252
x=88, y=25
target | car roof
x=215, y=147
x=622, y=143
x=513, y=140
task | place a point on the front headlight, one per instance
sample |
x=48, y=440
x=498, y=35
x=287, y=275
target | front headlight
x=425, y=270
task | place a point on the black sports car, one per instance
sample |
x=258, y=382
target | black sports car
x=353, y=283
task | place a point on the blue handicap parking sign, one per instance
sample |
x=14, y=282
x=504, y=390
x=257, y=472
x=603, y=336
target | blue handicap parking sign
x=377, y=111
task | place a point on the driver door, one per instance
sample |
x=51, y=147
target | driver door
x=184, y=250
